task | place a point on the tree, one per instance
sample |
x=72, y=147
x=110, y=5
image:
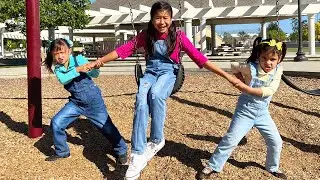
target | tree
x=275, y=32
x=295, y=28
x=243, y=36
x=317, y=26
x=227, y=38
x=53, y=13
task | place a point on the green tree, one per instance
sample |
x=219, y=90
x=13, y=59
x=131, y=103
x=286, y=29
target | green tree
x=317, y=26
x=227, y=38
x=275, y=32
x=243, y=36
x=53, y=13
x=295, y=28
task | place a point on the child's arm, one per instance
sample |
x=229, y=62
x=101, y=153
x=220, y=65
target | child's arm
x=274, y=85
x=84, y=61
x=212, y=67
x=263, y=91
x=192, y=52
x=202, y=61
x=123, y=51
x=64, y=77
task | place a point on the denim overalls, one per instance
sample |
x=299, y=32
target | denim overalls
x=155, y=87
x=251, y=111
x=85, y=100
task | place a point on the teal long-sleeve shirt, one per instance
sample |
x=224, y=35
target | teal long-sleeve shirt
x=65, y=75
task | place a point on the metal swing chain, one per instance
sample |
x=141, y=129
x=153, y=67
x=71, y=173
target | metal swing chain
x=278, y=15
x=134, y=34
x=180, y=26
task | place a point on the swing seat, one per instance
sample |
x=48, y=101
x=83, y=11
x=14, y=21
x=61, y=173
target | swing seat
x=314, y=92
x=138, y=73
x=180, y=76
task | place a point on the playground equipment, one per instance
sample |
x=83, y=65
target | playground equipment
x=180, y=75
x=34, y=68
x=314, y=92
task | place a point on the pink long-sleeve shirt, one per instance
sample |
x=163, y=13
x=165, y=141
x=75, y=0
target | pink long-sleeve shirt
x=128, y=48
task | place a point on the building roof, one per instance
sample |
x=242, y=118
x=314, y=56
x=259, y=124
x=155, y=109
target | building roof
x=109, y=12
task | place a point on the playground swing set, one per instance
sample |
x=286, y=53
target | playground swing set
x=34, y=69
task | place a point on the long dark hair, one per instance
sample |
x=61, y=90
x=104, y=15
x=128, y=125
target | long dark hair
x=259, y=47
x=151, y=32
x=55, y=45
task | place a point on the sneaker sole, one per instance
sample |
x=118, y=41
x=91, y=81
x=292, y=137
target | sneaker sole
x=137, y=175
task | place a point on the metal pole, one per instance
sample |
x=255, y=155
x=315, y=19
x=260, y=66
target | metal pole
x=300, y=54
x=34, y=68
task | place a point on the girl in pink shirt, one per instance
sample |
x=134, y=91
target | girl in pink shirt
x=161, y=42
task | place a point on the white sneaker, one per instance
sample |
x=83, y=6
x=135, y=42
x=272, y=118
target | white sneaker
x=137, y=163
x=153, y=148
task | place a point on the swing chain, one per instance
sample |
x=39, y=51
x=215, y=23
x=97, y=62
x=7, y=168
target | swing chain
x=134, y=33
x=180, y=27
x=278, y=16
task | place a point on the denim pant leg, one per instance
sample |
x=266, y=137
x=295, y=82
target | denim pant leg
x=159, y=93
x=141, y=115
x=239, y=127
x=69, y=113
x=270, y=133
x=100, y=118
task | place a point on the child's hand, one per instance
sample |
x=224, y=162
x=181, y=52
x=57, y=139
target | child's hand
x=84, y=68
x=92, y=65
x=234, y=81
x=95, y=64
x=239, y=76
x=99, y=63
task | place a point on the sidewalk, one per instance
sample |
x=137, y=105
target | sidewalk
x=126, y=67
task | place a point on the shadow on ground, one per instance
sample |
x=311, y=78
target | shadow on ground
x=96, y=147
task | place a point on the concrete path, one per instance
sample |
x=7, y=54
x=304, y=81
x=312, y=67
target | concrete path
x=126, y=67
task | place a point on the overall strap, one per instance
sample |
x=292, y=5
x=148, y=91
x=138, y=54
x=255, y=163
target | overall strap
x=75, y=60
x=253, y=69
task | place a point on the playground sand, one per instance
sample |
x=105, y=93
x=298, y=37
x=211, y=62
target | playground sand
x=198, y=116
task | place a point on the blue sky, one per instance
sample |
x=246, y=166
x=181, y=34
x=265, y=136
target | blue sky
x=285, y=25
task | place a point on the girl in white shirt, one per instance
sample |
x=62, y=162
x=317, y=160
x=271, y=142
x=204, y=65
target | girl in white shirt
x=261, y=77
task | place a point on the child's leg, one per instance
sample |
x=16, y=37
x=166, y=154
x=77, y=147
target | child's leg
x=270, y=133
x=239, y=127
x=102, y=120
x=59, y=123
x=141, y=115
x=159, y=93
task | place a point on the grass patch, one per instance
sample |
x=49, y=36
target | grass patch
x=305, y=49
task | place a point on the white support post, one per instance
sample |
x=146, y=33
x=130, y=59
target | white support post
x=311, y=34
x=213, y=37
x=125, y=36
x=203, y=36
x=194, y=34
x=188, y=28
x=264, y=30
x=117, y=33
x=1, y=42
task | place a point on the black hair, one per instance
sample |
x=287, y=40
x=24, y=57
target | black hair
x=259, y=47
x=151, y=31
x=55, y=45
